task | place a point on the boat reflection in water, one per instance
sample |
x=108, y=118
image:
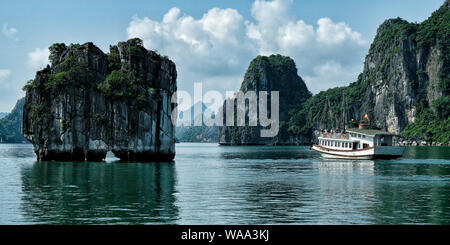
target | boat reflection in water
x=97, y=193
x=349, y=184
x=346, y=167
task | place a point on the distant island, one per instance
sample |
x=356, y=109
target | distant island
x=11, y=124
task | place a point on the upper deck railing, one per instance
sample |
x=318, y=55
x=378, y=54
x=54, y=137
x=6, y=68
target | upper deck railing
x=335, y=136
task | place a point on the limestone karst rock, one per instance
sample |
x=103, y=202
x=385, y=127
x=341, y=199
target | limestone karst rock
x=88, y=103
x=269, y=73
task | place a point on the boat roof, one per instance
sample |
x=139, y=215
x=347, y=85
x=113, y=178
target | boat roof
x=371, y=132
x=337, y=139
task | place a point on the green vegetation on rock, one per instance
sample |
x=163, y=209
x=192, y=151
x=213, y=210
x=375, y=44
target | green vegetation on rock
x=428, y=127
x=56, y=51
x=119, y=83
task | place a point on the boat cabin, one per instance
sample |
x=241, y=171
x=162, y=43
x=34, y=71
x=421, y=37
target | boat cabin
x=356, y=139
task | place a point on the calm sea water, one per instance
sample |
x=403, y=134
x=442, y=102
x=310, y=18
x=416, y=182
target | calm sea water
x=209, y=184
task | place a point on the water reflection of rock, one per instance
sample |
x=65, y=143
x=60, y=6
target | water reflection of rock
x=99, y=193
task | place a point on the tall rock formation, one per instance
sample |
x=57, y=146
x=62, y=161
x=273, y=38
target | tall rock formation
x=88, y=103
x=272, y=73
x=404, y=87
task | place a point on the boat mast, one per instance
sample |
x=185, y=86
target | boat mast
x=326, y=112
x=343, y=105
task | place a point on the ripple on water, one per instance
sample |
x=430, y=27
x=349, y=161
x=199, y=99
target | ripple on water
x=208, y=184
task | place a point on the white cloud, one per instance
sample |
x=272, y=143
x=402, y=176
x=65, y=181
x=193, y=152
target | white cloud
x=211, y=46
x=219, y=45
x=335, y=33
x=331, y=74
x=38, y=58
x=294, y=35
x=9, y=32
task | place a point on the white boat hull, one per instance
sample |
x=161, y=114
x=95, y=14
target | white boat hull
x=384, y=152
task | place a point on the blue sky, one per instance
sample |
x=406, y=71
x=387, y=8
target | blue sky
x=211, y=41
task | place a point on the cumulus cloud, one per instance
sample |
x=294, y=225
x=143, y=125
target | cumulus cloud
x=335, y=33
x=214, y=45
x=218, y=47
x=331, y=74
x=9, y=32
x=38, y=58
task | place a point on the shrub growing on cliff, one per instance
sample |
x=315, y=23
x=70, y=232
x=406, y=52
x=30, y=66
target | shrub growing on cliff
x=442, y=106
x=56, y=82
x=114, y=60
x=65, y=124
x=119, y=83
x=56, y=51
x=429, y=127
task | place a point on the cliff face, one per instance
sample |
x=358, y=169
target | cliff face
x=406, y=70
x=404, y=87
x=400, y=74
x=88, y=103
x=273, y=73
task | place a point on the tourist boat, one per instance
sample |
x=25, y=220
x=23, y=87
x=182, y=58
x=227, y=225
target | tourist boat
x=357, y=143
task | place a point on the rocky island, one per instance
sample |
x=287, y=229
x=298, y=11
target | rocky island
x=270, y=73
x=87, y=103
